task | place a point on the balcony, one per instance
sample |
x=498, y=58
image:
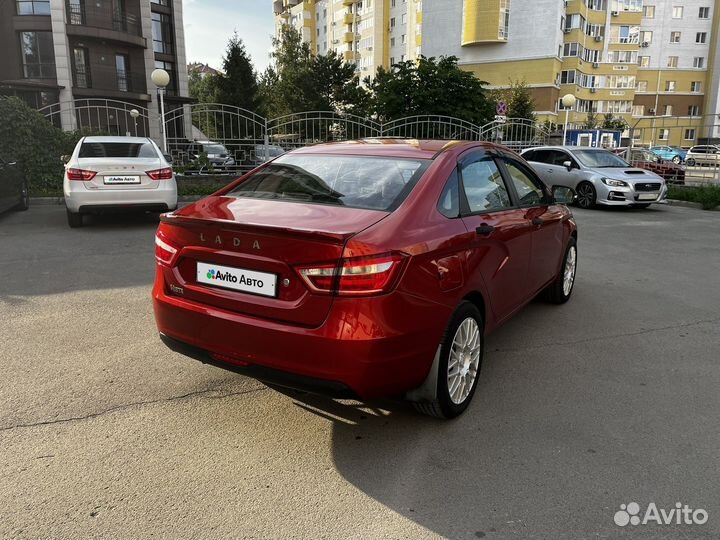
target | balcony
x=91, y=21
x=98, y=80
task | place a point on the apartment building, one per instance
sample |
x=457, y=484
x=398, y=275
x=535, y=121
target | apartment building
x=371, y=33
x=72, y=51
x=642, y=60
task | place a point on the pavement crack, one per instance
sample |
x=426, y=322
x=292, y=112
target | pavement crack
x=609, y=336
x=131, y=405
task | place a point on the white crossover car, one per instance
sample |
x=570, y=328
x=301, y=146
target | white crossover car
x=117, y=173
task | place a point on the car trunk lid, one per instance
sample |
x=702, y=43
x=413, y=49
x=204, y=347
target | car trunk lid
x=120, y=173
x=259, y=238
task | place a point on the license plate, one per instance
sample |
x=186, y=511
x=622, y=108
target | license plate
x=647, y=196
x=121, y=179
x=238, y=279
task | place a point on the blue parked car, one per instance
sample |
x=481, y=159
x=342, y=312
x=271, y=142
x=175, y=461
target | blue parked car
x=670, y=153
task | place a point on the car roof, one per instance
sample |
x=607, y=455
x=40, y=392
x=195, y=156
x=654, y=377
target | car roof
x=109, y=139
x=571, y=148
x=392, y=147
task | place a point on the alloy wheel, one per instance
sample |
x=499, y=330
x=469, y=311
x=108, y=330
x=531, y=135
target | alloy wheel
x=585, y=196
x=464, y=361
x=569, y=270
x=676, y=160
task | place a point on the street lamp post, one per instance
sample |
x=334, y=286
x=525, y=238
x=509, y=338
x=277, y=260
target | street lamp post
x=161, y=79
x=568, y=101
x=134, y=113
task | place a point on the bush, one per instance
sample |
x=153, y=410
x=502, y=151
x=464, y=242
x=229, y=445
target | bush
x=707, y=196
x=30, y=139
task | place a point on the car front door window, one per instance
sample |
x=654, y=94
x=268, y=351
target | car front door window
x=529, y=192
x=484, y=187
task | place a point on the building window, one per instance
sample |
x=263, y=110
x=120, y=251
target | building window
x=392, y=41
x=574, y=21
x=162, y=33
x=81, y=68
x=704, y=13
x=663, y=134
x=699, y=62
x=695, y=86
x=597, y=5
x=626, y=5
x=669, y=86
x=643, y=61
x=675, y=37
x=33, y=7
x=649, y=12
x=638, y=110
x=689, y=134
x=161, y=2
x=171, y=88
x=392, y=22
x=625, y=34
x=672, y=62
x=668, y=110
x=572, y=49
x=694, y=110
x=504, y=29
x=646, y=37
x=76, y=11
x=700, y=37
x=677, y=12
x=38, y=55
x=123, y=72
x=567, y=76
x=403, y=39
x=641, y=86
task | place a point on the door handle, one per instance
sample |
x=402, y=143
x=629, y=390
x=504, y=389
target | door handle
x=484, y=229
x=538, y=222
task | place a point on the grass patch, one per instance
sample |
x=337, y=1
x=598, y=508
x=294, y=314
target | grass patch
x=707, y=196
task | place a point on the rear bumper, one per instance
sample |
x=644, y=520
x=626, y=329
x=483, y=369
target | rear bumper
x=366, y=348
x=78, y=198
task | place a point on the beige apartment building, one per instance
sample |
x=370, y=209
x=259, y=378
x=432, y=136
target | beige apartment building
x=652, y=62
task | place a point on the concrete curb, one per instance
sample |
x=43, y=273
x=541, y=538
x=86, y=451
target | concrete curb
x=688, y=204
x=46, y=201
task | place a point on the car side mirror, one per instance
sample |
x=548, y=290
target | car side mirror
x=568, y=165
x=65, y=158
x=563, y=194
x=168, y=158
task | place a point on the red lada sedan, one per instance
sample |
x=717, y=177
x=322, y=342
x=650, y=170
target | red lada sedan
x=364, y=269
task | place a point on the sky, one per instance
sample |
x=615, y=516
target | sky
x=210, y=23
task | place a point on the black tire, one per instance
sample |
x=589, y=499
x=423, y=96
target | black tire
x=24, y=203
x=586, y=195
x=643, y=205
x=444, y=406
x=74, y=219
x=677, y=160
x=555, y=292
x=690, y=162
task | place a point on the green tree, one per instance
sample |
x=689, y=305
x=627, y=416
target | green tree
x=614, y=122
x=520, y=102
x=429, y=86
x=204, y=89
x=591, y=121
x=238, y=86
x=300, y=81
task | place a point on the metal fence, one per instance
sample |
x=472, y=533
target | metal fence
x=250, y=139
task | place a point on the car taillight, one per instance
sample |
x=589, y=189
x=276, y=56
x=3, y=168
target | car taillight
x=80, y=174
x=355, y=277
x=164, y=251
x=160, y=174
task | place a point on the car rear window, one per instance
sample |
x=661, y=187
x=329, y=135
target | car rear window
x=117, y=150
x=353, y=181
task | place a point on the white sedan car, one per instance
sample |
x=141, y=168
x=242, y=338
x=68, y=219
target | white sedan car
x=117, y=173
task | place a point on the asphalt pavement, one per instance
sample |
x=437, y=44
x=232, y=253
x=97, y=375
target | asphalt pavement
x=611, y=399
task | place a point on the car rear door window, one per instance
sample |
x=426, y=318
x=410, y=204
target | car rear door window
x=93, y=149
x=449, y=203
x=484, y=186
x=530, y=190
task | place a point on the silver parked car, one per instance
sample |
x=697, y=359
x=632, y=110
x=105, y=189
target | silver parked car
x=597, y=176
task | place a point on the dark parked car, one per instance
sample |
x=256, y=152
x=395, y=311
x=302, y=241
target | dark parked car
x=218, y=156
x=649, y=160
x=374, y=268
x=13, y=187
